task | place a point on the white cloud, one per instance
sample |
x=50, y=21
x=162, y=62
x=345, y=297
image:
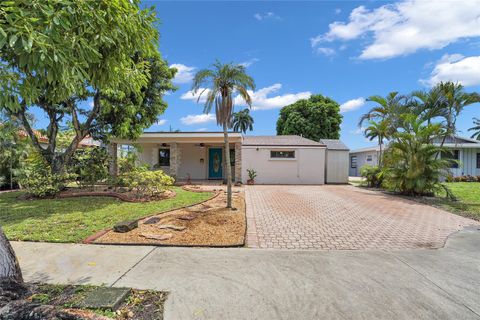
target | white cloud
x=261, y=101
x=184, y=73
x=358, y=131
x=456, y=68
x=202, y=129
x=161, y=122
x=351, y=105
x=325, y=51
x=189, y=95
x=192, y=119
x=265, y=16
x=407, y=26
x=248, y=63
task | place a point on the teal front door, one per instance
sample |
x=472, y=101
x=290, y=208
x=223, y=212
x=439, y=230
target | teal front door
x=215, y=163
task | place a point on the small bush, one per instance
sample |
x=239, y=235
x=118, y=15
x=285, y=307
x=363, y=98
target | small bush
x=37, y=178
x=467, y=178
x=252, y=174
x=372, y=175
x=147, y=183
x=91, y=166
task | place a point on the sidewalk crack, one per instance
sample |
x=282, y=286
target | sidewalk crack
x=452, y=297
x=132, y=267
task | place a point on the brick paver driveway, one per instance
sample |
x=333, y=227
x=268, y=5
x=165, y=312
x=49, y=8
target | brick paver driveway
x=343, y=217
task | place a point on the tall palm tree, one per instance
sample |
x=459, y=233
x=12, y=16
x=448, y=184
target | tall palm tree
x=428, y=105
x=242, y=121
x=219, y=84
x=455, y=99
x=389, y=107
x=380, y=131
x=476, y=129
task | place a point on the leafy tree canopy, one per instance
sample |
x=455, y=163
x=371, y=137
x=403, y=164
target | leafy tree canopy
x=315, y=118
x=56, y=54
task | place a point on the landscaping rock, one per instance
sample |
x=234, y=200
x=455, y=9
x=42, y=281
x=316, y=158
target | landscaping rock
x=105, y=298
x=160, y=237
x=172, y=227
x=152, y=220
x=125, y=226
x=188, y=217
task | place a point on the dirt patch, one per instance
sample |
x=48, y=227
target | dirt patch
x=139, y=304
x=206, y=224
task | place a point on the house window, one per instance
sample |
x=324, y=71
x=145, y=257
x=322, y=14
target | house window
x=369, y=157
x=453, y=155
x=353, y=161
x=282, y=154
x=164, y=157
x=478, y=160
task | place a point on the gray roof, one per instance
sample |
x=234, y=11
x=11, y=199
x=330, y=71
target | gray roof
x=334, y=144
x=367, y=149
x=279, y=141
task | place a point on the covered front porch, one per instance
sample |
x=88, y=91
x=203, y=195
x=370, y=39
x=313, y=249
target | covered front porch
x=186, y=156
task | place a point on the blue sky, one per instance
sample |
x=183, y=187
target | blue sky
x=344, y=50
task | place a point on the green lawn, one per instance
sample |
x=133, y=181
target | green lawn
x=74, y=219
x=468, y=204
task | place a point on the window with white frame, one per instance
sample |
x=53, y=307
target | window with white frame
x=353, y=162
x=369, y=157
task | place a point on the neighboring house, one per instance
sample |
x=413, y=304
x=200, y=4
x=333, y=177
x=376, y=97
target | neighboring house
x=43, y=139
x=465, y=150
x=200, y=156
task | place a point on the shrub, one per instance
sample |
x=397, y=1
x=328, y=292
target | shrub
x=37, y=178
x=372, y=175
x=148, y=183
x=90, y=166
x=411, y=164
x=252, y=174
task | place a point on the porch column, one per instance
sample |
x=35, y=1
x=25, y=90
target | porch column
x=238, y=162
x=174, y=159
x=113, y=151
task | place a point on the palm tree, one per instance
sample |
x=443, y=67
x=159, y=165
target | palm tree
x=455, y=99
x=428, y=105
x=476, y=129
x=219, y=85
x=380, y=131
x=242, y=121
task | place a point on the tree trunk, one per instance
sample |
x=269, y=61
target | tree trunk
x=228, y=168
x=380, y=155
x=13, y=291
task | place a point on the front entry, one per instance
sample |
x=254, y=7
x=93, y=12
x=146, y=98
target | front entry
x=215, y=163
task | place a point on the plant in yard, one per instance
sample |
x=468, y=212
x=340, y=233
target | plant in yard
x=90, y=166
x=455, y=99
x=315, y=118
x=387, y=108
x=242, y=121
x=380, y=131
x=475, y=129
x=145, y=182
x=411, y=165
x=373, y=176
x=38, y=179
x=57, y=54
x=252, y=174
x=219, y=84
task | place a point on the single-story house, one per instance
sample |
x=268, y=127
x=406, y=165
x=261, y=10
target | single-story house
x=465, y=150
x=200, y=156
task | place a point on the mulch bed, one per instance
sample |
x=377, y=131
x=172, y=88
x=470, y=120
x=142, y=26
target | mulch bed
x=126, y=196
x=139, y=304
x=205, y=224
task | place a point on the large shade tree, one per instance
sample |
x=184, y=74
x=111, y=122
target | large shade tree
x=219, y=84
x=315, y=118
x=59, y=55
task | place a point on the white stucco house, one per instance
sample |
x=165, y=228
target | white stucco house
x=465, y=150
x=200, y=156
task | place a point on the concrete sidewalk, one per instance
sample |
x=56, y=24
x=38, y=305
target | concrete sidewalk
x=278, y=284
